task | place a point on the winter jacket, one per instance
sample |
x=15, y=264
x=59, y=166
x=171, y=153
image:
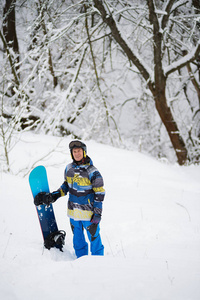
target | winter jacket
x=86, y=192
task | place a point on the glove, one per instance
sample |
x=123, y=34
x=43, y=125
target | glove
x=43, y=198
x=46, y=198
x=95, y=219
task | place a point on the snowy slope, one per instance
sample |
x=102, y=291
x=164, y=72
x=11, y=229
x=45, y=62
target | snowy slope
x=150, y=229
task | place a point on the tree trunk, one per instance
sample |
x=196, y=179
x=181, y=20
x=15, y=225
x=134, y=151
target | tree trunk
x=157, y=88
x=166, y=116
x=158, y=92
x=9, y=29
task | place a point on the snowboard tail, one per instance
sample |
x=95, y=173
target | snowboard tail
x=52, y=236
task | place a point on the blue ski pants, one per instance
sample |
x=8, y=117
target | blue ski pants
x=79, y=242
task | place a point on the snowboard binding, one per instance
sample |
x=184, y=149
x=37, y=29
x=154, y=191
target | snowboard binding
x=55, y=239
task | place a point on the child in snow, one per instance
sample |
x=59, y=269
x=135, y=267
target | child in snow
x=86, y=194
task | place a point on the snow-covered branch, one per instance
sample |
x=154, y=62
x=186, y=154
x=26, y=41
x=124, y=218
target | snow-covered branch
x=177, y=65
x=109, y=20
x=167, y=10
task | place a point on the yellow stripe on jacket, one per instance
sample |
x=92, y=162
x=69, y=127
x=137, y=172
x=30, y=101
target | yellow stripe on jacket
x=78, y=214
x=82, y=181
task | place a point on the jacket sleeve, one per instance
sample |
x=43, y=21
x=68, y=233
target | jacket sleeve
x=63, y=190
x=98, y=188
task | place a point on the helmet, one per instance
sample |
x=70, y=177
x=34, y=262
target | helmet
x=78, y=144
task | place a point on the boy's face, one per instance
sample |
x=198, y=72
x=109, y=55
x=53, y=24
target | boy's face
x=77, y=154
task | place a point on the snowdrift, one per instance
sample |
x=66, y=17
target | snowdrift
x=150, y=229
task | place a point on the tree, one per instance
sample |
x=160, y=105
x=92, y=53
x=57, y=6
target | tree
x=159, y=20
x=75, y=77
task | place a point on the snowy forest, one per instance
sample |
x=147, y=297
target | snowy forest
x=124, y=73
x=124, y=77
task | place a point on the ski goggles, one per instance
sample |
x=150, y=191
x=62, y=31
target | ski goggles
x=77, y=144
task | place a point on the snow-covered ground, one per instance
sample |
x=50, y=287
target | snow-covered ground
x=150, y=229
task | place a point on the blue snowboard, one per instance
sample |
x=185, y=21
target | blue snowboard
x=39, y=183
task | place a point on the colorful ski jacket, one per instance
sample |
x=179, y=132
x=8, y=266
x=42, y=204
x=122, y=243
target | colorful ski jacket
x=86, y=192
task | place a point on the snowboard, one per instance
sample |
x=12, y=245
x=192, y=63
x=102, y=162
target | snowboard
x=39, y=183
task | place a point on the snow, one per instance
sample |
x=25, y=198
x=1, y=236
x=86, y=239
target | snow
x=150, y=229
